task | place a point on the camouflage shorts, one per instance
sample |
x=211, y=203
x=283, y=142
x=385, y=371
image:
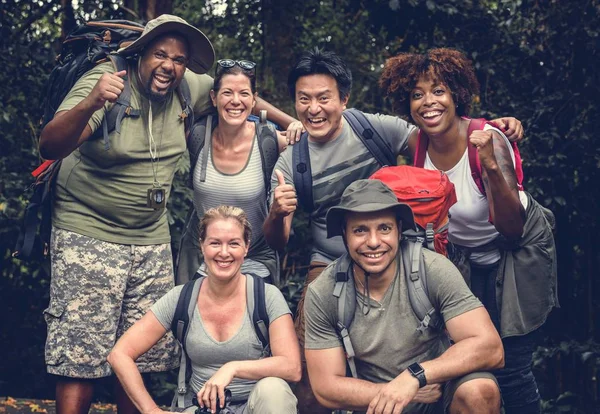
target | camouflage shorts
x=98, y=290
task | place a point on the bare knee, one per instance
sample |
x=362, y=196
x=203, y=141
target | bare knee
x=480, y=395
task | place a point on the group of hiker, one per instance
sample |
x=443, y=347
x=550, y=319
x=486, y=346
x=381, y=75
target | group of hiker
x=358, y=341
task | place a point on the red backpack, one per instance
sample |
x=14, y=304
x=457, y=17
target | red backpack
x=430, y=194
x=474, y=164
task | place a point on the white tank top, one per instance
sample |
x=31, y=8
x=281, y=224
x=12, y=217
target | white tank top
x=469, y=217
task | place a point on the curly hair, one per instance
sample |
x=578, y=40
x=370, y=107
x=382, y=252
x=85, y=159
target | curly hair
x=450, y=66
x=225, y=213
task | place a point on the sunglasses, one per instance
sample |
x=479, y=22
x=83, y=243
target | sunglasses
x=229, y=63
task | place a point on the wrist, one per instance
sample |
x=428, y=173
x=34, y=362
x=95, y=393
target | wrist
x=233, y=366
x=416, y=371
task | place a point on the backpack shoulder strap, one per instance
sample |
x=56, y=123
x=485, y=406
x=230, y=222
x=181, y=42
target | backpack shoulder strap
x=257, y=308
x=186, y=304
x=474, y=163
x=302, y=173
x=199, y=133
x=416, y=280
x=185, y=97
x=122, y=107
x=345, y=293
x=268, y=146
x=370, y=137
x=421, y=150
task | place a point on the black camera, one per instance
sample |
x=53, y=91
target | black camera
x=206, y=410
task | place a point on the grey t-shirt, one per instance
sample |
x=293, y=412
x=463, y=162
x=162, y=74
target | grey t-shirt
x=334, y=166
x=208, y=355
x=385, y=339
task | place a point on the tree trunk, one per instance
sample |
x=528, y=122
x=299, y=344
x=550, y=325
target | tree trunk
x=149, y=9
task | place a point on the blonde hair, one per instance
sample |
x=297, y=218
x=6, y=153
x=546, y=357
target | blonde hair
x=224, y=213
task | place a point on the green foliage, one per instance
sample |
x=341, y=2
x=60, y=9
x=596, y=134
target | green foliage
x=534, y=60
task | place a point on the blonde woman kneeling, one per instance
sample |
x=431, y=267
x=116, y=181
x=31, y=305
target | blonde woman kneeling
x=222, y=345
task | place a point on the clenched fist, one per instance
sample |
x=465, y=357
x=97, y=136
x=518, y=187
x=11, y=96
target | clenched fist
x=108, y=88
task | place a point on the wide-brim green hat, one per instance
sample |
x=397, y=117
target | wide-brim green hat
x=201, y=52
x=367, y=196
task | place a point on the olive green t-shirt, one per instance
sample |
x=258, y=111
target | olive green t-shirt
x=385, y=340
x=102, y=193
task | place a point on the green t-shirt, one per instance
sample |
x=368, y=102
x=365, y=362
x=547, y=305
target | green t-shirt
x=103, y=193
x=385, y=340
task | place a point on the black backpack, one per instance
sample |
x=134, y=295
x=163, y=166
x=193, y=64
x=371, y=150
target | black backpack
x=370, y=137
x=85, y=47
x=186, y=305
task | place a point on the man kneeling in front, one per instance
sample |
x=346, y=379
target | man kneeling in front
x=396, y=368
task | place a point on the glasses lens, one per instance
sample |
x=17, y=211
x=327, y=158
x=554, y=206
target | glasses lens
x=226, y=63
x=246, y=64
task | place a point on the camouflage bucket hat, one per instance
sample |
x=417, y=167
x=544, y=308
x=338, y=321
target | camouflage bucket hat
x=366, y=196
x=201, y=53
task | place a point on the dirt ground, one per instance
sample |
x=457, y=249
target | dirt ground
x=10, y=405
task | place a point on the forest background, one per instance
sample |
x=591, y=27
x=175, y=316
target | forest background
x=535, y=60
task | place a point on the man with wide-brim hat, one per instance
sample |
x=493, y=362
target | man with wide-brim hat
x=201, y=54
x=394, y=366
x=110, y=248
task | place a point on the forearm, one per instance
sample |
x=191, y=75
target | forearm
x=275, y=366
x=346, y=393
x=132, y=382
x=66, y=131
x=506, y=210
x=274, y=114
x=469, y=355
x=276, y=231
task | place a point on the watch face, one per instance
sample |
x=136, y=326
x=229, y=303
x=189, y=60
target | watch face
x=415, y=368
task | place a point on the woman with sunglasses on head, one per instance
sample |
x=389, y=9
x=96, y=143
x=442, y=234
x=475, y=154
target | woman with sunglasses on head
x=230, y=169
x=222, y=345
x=436, y=89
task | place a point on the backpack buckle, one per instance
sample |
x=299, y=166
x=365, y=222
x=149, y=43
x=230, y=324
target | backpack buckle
x=181, y=390
x=429, y=233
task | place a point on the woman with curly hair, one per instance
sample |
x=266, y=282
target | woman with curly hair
x=436, y=89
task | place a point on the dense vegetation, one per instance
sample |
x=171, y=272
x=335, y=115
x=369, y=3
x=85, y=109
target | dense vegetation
x=536, y=60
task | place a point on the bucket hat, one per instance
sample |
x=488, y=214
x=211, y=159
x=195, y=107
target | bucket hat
x=366, y=196
x=201, y=53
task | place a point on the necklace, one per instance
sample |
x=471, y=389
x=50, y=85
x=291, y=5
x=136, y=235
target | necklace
x=367, y=297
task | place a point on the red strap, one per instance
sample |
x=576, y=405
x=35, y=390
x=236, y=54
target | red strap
x=474, y=163
x=421, y=150
x=42, y=168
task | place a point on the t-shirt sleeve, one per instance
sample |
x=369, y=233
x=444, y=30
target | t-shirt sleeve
x=82, y=88
x=447, y=288
x=395, y=131
x=320, y=332
x=164, y=308
x=200, y=86
x=284, y=164
x=276, y=304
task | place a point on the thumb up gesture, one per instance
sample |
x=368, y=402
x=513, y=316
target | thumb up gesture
x=284, y=197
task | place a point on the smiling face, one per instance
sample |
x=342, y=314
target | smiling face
x=319, y=106
x=432, y=107
x=372, y=240
x=162, y=66
x=224, y=248
x=234, y=99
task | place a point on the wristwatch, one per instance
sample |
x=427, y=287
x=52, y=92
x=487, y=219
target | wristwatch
x=417, y=371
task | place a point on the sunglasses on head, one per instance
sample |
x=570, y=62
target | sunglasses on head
x=229, y=63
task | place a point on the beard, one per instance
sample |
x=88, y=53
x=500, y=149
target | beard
x=157, y=97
